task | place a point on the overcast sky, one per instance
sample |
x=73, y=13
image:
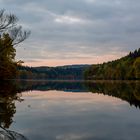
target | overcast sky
x=76, y=31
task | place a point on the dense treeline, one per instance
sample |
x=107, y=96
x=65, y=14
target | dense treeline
x=72, y=72
x=126, y=68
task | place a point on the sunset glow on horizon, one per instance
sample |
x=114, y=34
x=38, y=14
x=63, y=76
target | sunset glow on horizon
x=60, y=62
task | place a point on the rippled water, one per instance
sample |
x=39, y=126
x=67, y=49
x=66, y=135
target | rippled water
x=71, y=110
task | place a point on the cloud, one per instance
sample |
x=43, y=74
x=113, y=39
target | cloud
x=68, y=20
x=69, y=29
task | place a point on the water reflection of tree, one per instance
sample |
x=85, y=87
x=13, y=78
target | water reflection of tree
x=72, y=86
x=128, y=91
x=8, y=96
x=125, y=90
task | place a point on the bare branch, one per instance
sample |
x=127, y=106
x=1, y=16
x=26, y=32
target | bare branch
x=8, y=25
x=18, y=35
x=7, y=20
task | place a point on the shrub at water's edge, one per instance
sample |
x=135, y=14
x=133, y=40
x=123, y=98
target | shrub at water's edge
x=126, y=68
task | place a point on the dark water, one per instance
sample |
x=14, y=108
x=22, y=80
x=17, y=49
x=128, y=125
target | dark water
x=57, y=110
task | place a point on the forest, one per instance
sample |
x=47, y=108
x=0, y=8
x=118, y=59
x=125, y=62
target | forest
x=70, y=72
x=125, y=68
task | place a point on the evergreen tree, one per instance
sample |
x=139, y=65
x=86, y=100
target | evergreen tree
x=10, y=35
x=127, y=67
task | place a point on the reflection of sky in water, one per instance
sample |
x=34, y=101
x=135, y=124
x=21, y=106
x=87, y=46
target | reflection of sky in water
x=57, y=115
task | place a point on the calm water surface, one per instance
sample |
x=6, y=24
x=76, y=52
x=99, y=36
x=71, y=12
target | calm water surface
x=72, y=110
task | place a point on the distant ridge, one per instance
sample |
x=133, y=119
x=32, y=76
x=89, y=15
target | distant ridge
x=66, y=72
x=64, y=66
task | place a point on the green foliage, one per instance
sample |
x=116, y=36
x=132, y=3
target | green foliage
x=136, y=67
x=61, y=73
x=127, y=67
x=7, y=58
x=10, y=35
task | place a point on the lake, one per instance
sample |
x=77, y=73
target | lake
x=70, y=110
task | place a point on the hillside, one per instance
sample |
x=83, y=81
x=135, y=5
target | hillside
x=68, y=72
x=125, y=68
